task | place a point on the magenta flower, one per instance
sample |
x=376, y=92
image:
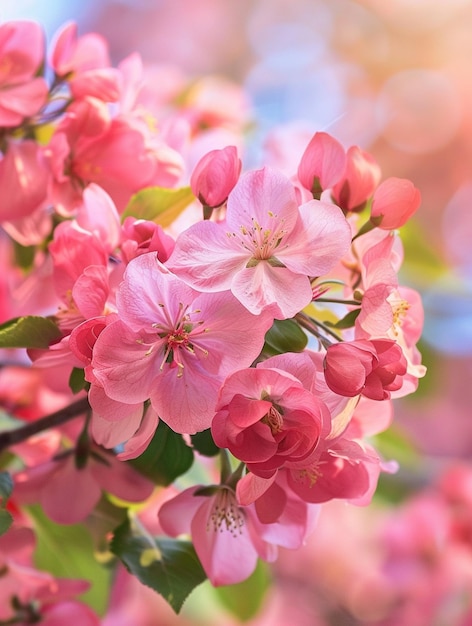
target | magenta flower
x=268, y=247
x=173, y=345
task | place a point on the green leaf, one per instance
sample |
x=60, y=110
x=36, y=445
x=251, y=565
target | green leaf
x=203, y=443
x=158, y=204
x=77, y=380
x=347, y=321
x=6, y=521
x=166, y=458
x=6, y=486
x=245, y=599
x=28, y=332
x=24, y=255
x=169, y=566
x=68, y=552
x=284, y=336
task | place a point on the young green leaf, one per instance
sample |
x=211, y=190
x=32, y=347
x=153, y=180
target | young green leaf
x=245, y=599
x=169, y=566
x=203, y=443
x=284, y=336
x=28, y=332
x=158, y=204
x=166, y=458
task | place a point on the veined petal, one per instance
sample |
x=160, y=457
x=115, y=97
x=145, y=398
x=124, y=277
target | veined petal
x=206, y=256
x=126, y=363
x=317, y=242
x=279, y=288
x=264, y=196
x=150, y=294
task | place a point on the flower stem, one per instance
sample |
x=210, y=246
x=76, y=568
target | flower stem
x=11, y=437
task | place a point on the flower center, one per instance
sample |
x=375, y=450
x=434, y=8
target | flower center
x=226, y=514
x=274, y=420
x=180, y=337
x=261, y=242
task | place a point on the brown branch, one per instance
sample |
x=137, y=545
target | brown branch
x=11, y=437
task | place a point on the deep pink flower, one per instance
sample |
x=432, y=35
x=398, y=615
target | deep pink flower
x=395, y=201
x=215, y=175
x=267, y=419
x=173, y=345
x=322, y=164
x=357, y=184
x=142, y=236
x=268, y=247
x=371, y=368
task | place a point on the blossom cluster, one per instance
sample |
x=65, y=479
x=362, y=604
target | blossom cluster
x=180, y=292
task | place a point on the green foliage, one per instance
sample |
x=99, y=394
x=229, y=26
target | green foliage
x=284, y=336
x=6, y=521
x=77, y=380
x=169, y=566
x=244, y=600
x=166, y=458
x=30, y=331
x=158, y=204
x=68, y=552
x=203, y=443
x=347, y=321
x=6, y=486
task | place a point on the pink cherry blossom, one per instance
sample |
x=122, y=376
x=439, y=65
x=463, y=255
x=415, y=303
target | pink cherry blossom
x=215, y=175
x=372, y=368
x=267, y=419
x=358, y=182
x=395, y=200
x=322, y=164
x=268, y=247
x=22, y=93
x=228, y=538
x=173, y=345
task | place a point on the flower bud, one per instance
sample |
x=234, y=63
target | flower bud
x=395, y=200
x=322, y=164
x=215, y=175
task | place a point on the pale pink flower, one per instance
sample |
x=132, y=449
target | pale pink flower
x=215, y=175
x=322, y=164
x=173, y=345
x=68, y=490
x=395, y=200
x=372, y=368
x=358, y=182
x=22, y=93
x=268, y=247
x=228, y=538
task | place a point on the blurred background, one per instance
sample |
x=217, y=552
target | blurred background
x=395, y=78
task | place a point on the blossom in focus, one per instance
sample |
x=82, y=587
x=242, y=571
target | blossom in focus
x=267, y=419
x=372, y=368
x=268, y=247
x=394, y=201
x=358, y=182
x=173, y=345
x=215, y=175
x=322, y=164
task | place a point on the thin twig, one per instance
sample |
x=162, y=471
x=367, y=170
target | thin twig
x=11, y=437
